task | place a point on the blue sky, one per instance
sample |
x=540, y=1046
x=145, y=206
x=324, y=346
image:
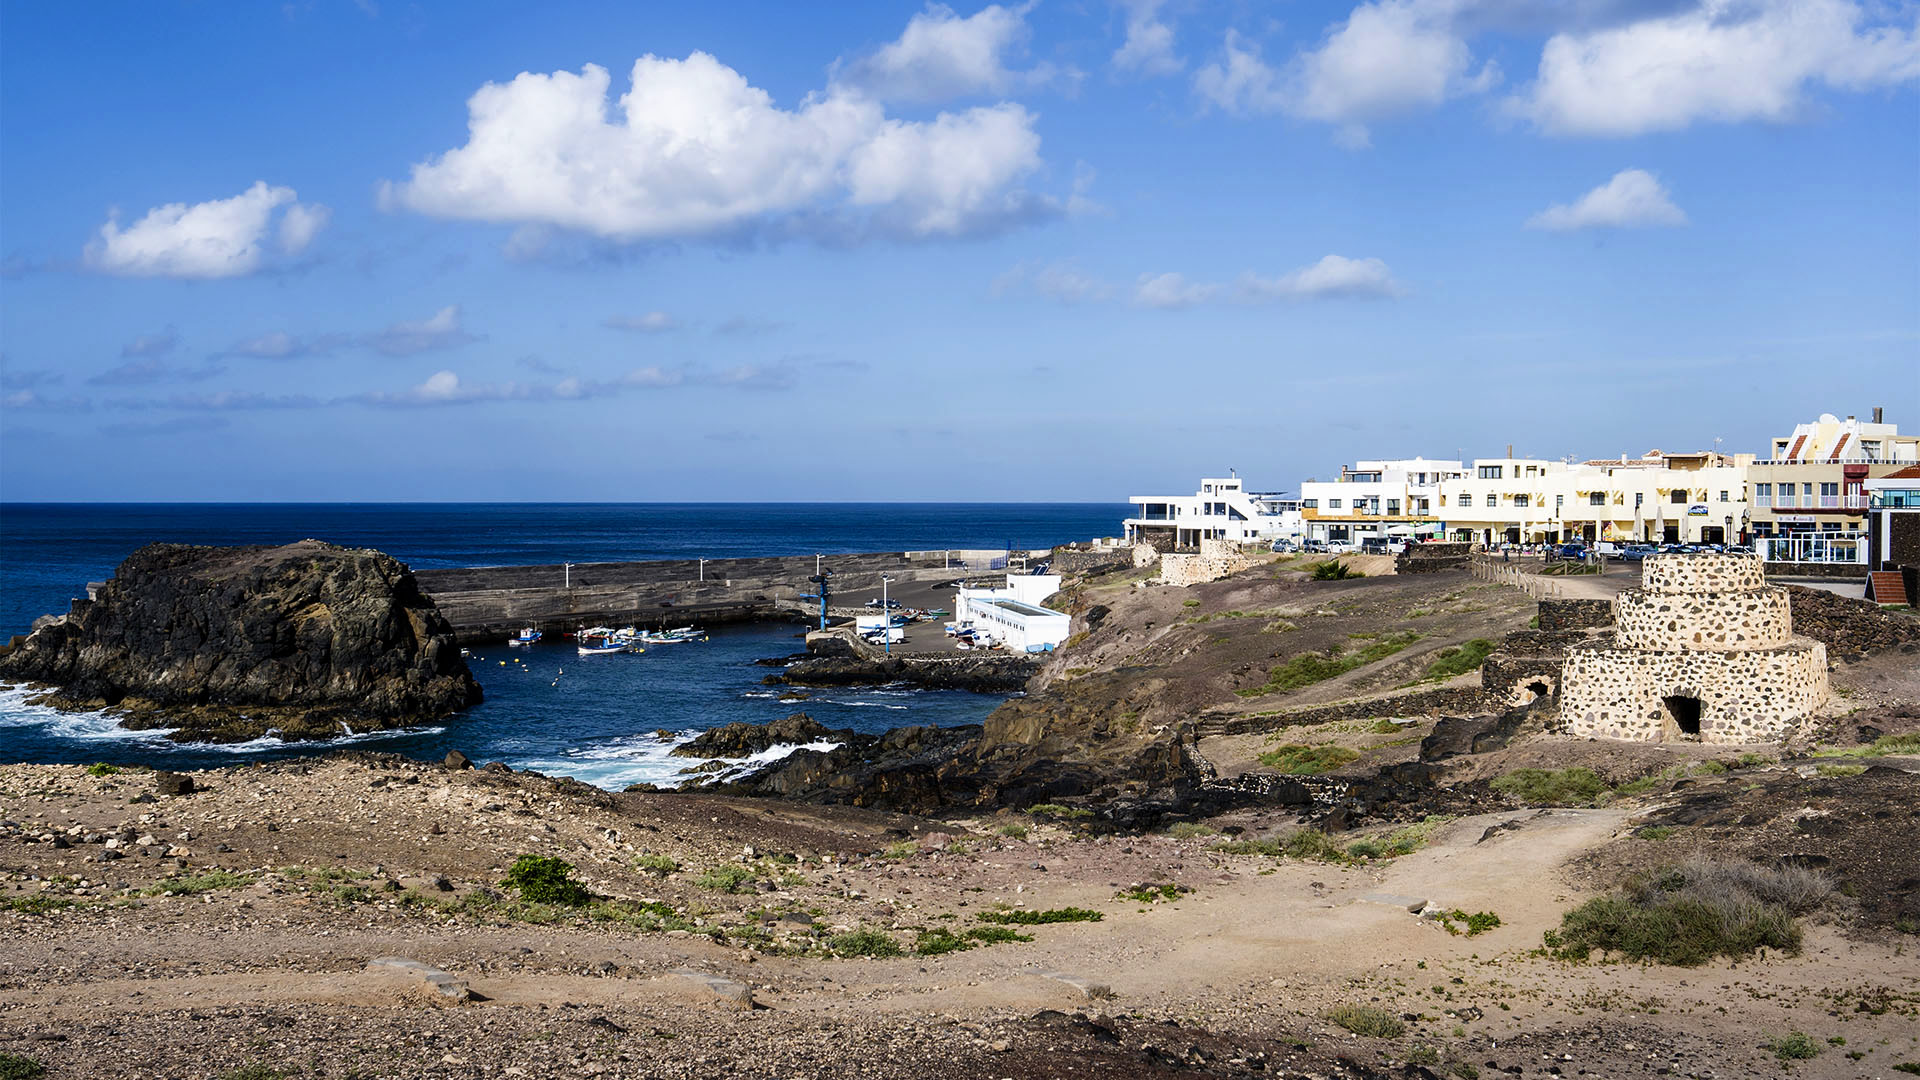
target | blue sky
x=1072, y=250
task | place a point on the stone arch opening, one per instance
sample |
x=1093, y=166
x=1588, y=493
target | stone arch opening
x=1681, y=713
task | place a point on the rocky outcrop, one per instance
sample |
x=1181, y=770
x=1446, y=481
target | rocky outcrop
x=990, y=673
x=229, y=644
x=745, y=740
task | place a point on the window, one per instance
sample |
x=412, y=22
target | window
x=1466, y=499
x=1639, y=497
x=1423, y=504
x=1763, y=494
x=1806, y=494
x=1723, y=497
x=1678, y=496
x=1314, y=504
x=1829, y=495
x=1490, y=472
x=1333, y=504
x=1559, y=501
x=1520, y=500
x=1393, y=507
x=1493, y=499
x=1596, y=498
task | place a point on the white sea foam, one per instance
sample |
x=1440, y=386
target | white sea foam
x=614, y=764
x=105, y=727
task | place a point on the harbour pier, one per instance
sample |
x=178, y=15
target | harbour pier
x=487, y=603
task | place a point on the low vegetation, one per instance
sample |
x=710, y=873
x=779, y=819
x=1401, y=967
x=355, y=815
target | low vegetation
x=940, y=940
x=1368, y=1020
x=101, y=768
x=1316, y=845
x=1149, y=894
x=1305, y=669
x=16, y=1067
x=1295, y=760
x=1794, y=1046
x=1039, y=918
x=1576, y=786
x=1460, y=659
x=863, y=943
x=1907, y=743
x=1332, y=570
x=728, y=879
x=543, y=879
x=1690, y=913
x=1458, y=922
x=1057, y=810
x=656, y=864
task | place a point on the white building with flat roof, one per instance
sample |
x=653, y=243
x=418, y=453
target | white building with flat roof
x=1376, y=500
x=1223, y=509
x=1012, y=616
x=1690, y=498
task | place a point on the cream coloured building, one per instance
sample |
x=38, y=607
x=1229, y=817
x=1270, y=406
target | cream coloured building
x=1655, y=498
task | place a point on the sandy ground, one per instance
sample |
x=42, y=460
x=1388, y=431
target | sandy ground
x=1231, y=978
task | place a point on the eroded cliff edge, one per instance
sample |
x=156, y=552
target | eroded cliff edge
x=225, y=644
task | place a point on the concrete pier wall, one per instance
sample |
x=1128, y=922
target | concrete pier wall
x=486, y=603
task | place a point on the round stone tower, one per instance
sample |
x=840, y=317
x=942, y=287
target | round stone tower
x=1703, y=652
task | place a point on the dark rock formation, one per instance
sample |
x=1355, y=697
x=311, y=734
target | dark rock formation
x=991, y=673
x=1432, y=557
x=227, y=644
x=744, y=740
x=1584, y=614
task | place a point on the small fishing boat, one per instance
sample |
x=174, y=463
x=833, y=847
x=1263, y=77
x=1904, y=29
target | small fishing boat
x=525, y=637
x=598, y=641
x=673, y=637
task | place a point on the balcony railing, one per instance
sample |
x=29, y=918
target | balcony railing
x=1812, y=549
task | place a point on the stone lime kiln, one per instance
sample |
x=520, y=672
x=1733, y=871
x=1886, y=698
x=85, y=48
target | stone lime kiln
x=1703, y=652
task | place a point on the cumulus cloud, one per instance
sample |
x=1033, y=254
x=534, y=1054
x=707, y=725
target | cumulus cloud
x=941, y=56
x=1148, y=49
x=216, y=239
x=1633, y=198
x=692, y=149
x=653, y=322
x=1722, y=61
x=445, y=388
x=441, y=331
x=151, y=344
x=1333, y=277
x=1058, y=281
x=1170, y=292
x=1387, y=58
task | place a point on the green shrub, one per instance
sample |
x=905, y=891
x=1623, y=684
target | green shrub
x=1305, y=669
x=543, y=879
x=1576, y=786
x=15, y=1067
x=728, y=879
x=1460, y=659
x=1794, y=1046
x=101, y=768
x=1312, y=844
x=1912, y=1068
x=863, y=943
x=656, y=864
x=1656, y=832
x=1187, y=830
x=1367, y=1020
x=905, y=849
x=1049, y=809
x=1841, y=770
x=1038, y=918
x=1457, y=922
x=1908, y=743
x=997, y=935
x=939, y=941
x=1688, y=914
x=1015, y=830
x=1423, y=1055
x=1148, y=894
x=1332, y=570
x=1295, y=760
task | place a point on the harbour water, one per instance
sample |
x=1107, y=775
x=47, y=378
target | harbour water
x=607, y=720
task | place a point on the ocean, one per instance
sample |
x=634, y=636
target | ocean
x=606, y=720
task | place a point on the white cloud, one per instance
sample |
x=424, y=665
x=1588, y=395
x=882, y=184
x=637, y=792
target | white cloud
x=216, y=239
x=1240, y=81
x=280, y=345
x=1725, y=61
x=301, y=223
x=941, y=56
x=1387, y=58
x=1148, y=49
x=1633, y=198
x=1170, y=292
x=1333, y=277
x=1058, y=281
x=151, y=344
x=653, y=322
x=692, y=149
x=441, y=331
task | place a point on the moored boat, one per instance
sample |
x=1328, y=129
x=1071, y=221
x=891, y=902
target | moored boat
x=526, y=636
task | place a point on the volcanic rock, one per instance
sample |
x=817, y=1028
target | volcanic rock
x=307, y=640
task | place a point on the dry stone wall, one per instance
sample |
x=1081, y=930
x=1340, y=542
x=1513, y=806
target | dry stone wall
x=1704, y=652
x=1215, y=560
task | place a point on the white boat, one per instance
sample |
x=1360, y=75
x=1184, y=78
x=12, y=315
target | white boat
x=525, y=637
x=673, y=637
x=599, y=641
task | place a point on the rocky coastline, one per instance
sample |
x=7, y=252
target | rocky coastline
x=226, y=644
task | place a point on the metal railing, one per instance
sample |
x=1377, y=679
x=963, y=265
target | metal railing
x=1812, y=549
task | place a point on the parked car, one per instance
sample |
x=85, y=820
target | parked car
x=1571, y=551
x=1608, y=549
x=1636, y=552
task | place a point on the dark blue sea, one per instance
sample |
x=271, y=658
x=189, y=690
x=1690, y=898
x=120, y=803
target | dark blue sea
x=599, y=719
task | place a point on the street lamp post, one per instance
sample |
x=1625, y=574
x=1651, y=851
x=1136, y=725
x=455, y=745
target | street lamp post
x=886, y=618
x=569, y=574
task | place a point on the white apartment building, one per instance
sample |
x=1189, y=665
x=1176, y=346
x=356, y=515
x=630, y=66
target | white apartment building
x=1376, y=500
x=1012, y=616
x=1696, y=498
x=1221, y=510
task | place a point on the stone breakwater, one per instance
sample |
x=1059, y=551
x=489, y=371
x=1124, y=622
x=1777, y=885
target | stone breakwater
x=1704, y=652
x=225, y=644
